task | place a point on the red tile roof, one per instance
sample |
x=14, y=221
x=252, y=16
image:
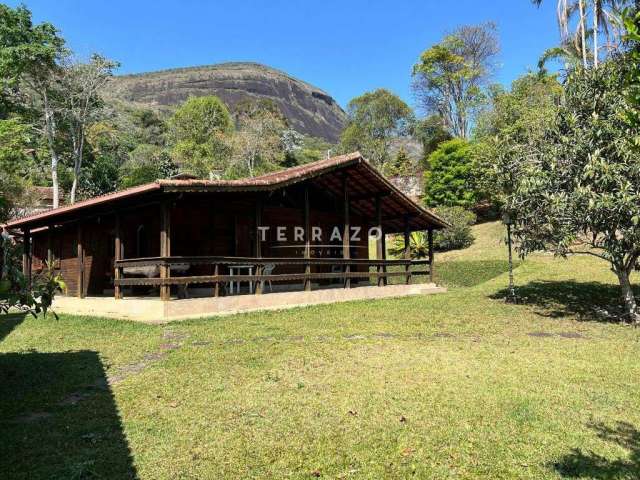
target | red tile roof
x=268, y=181
x=129, y=192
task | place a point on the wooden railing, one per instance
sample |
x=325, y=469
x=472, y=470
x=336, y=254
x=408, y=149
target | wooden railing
x=381, y=273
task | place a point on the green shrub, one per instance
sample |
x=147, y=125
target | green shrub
x=459, y=234
x=418, y=242
x=449, y=179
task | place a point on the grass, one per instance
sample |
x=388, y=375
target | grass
x=458, y=385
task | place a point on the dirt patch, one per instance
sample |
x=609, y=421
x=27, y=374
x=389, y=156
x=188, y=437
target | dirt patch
x=171, y=335
x=149, y=358
x=560, y=334
x=540, y=334
x=355, y=337
x=571, y=335
x=443, y=335
x=385, y=335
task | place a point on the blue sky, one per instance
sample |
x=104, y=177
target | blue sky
x=344, y=47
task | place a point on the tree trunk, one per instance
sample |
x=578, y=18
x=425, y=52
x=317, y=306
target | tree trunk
x=596, y=15
x=50, y=132
x=583, y=33
x=77, y=167
x=74, y=187
x=628, y=298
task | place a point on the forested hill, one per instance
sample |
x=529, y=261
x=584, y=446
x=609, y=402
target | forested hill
x=308, y=109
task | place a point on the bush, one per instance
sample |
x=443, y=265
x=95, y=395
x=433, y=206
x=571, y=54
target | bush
x=459, y=234
x=16, y=295
x=418, y=246
x=449, y=179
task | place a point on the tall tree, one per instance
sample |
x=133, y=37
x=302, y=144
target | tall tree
x=580, y=42
x=374, y=120
x=431, y=132
x=200, y=129
x=29, y=55
x=450, y=77
x=576, y=190
x=515, y=124
x=258, y=141
x=82, y=84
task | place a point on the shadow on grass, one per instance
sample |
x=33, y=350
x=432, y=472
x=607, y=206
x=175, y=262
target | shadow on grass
x=580, y=464
x=586, y=300
x=58, y=419
x=469, y=273
x=8, y=322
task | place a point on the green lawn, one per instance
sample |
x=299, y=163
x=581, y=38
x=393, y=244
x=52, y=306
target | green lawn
x=457, y=385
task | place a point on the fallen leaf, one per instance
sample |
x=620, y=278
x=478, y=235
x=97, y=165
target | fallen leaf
x=408, y=452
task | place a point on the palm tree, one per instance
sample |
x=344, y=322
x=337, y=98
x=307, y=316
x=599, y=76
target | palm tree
x=567, y=52
x=605, y=20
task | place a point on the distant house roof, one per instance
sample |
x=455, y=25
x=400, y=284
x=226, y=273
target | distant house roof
x=365, y=182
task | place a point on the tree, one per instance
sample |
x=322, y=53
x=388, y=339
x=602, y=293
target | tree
x=147, y=163
x=401, y=165
x=82, y=83
x=577, y=190
x=29, y=55
x=309, y=149
x=200, y=128
x=258, y=142
x=583, y=44
x=15, y=139
x=450, y=78
x=449, y=179
x=516, y=123
x=631, y=19
x=431, y=132
x=374, y=119
x=523, y=110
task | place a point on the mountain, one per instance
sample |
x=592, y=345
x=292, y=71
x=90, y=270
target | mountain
x=308, y=109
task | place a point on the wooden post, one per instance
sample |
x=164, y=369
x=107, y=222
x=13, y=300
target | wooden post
x=258, y=246
x=50, y=259
x=379, y=242
x=216, y=288
x=26, y=256
x=117, y=255
x=407, y=248
x=80, y=261
x=307, y=239
x=430, y=240
x=165, y=248
x=346, y=253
